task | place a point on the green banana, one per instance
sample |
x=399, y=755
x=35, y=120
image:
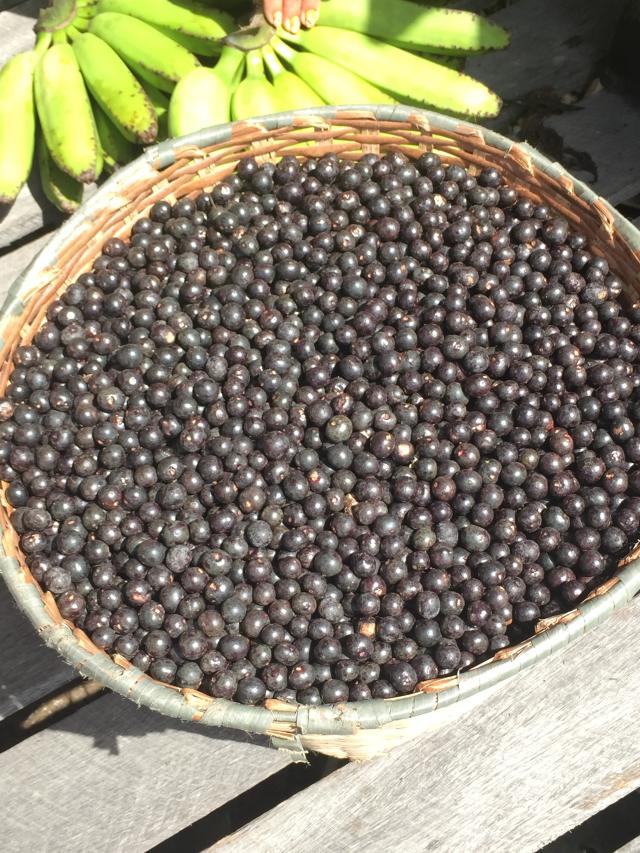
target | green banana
x=100, y=159
x=63, y=191
x=149, y=78
x=291, y=92
x=448, y=60
x=65, y=113
x=232, y=6
x=416, y=27
x=116, y=89
x=230, y=66
x=17, y=123
x=255, y=96
x=203, y=97
x=155, y=56
x=401, y=73
x=331, y=82
x=116, y=148
x=160, y=102
x=198, y=46
x=189, y=18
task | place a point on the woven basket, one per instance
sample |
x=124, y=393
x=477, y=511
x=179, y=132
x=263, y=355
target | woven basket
x=184, y=168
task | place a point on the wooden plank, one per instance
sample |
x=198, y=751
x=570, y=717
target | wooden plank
x=607, y=126
x=14, y=262
x=553, y=45
x=113, y=777
x=16, y=27
x=28, y=669
x=30, y=212
x=550, y=749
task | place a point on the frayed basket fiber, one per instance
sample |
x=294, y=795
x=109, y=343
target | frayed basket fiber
x=189, y=165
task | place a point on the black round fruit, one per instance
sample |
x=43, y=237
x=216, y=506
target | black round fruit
x=327, y=431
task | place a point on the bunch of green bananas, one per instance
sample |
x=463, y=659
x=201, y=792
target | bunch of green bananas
x=95, y=88
x=107, y=77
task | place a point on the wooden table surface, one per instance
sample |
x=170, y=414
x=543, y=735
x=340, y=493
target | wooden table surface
x=547, y=752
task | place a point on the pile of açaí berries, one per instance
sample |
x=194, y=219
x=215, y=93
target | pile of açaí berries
x=328, y=431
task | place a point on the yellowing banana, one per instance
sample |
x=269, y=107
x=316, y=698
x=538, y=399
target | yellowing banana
x=116, y=89
x=63, y=191
x=145, y=50
x=65, y=113
x=203, y=97
x=17, y=124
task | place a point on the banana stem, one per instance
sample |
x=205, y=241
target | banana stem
x=273, y=63
x=59, y=37
x=230, y=64
x=255, y=65
x=73, y=32
x=283, y=50
x=42, y=43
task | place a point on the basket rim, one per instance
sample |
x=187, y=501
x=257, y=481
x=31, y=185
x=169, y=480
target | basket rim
x=285, y=722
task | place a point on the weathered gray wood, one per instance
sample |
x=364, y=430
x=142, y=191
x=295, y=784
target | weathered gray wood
x=547, y=751
x=16, y=26
x=113, y=777
x=30, y=212
x=607, y=126
x=553, y=44
x=14, y=262
x=28, y=669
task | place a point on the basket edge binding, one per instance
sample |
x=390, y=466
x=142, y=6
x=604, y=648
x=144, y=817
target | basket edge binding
x=336, y=729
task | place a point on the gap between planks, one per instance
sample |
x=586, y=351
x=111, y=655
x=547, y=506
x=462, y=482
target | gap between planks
x=553, y=747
